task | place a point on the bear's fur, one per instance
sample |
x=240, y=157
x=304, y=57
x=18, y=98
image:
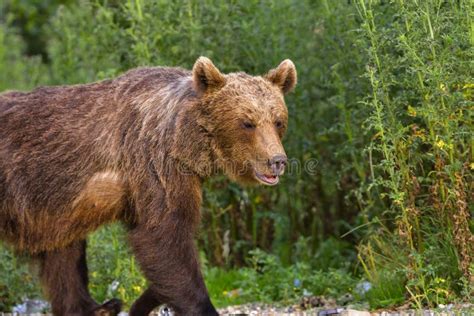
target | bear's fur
x=133, y=149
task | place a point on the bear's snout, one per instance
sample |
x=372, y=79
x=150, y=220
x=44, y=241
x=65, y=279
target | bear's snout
x=278, y=163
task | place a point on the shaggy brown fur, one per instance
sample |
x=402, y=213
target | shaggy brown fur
x=133, y=149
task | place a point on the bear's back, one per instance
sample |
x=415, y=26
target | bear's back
x=57, y=142
x=54, y=140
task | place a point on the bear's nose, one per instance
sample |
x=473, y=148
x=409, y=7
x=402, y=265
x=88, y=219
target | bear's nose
x=277, y=163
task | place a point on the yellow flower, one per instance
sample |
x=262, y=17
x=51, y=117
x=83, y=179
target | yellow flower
x=121, y=291
x=439, y=280
x=472, y=165
x=440, y=144
x=137, y=288
x=468, y=86
x=411, y=111
x=468, y=90
x=258, y=199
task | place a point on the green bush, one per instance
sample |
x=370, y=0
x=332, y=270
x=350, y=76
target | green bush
x=420, y=72
x=16, y=69
x=16, y=280
x=267, y=280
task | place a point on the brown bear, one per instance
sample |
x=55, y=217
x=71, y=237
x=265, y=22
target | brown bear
x=133, y=149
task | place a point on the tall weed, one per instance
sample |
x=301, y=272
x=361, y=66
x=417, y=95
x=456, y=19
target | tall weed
x=420, y=72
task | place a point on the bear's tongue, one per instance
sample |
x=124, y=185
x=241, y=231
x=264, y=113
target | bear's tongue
x=270, y=179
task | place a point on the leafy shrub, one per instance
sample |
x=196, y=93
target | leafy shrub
x=16, y=69
x=16, y=281
x=267, y=280
x=420, y=77
x=114, y=271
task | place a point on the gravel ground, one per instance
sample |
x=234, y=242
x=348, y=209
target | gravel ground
x=309, y=306
x=268, y=310
x=328, y=308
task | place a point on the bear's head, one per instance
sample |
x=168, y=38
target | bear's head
x=246, y=117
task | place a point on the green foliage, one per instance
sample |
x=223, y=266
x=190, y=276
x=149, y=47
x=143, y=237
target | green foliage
x=29, y=17
x=223, y=286
x=16, y=280
x=267, y=280
x=380, y=123
x=420, y=72
x=388, y=290
x=114, y=271
x=16, y=69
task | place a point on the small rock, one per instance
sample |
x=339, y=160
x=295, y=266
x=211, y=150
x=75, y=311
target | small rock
x=290, y=309
x=352, y=312
x=334, y=311
x=311, y=301
x=31, y=306
x=165, y=311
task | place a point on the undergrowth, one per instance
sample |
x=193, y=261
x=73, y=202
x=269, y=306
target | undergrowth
x=114, y=273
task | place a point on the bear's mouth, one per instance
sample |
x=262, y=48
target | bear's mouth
x=267, y=179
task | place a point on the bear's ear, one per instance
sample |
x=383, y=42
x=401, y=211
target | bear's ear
x=206, y=76
x=284, y=76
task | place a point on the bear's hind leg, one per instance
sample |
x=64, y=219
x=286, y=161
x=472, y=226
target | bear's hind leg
x=64, y=276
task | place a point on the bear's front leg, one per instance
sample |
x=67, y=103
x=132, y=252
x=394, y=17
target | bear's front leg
x=162, y=239
x=169, y=260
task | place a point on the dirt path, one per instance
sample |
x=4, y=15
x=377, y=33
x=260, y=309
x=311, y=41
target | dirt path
x=269, y=310
x=255, y=309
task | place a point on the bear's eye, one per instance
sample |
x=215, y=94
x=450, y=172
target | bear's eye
x=279, y=124
x=248, y=125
